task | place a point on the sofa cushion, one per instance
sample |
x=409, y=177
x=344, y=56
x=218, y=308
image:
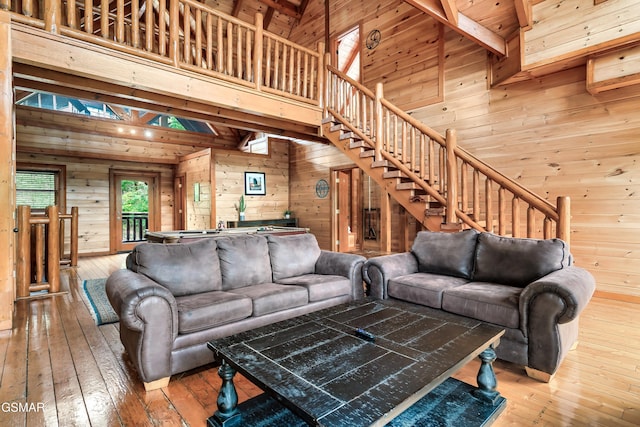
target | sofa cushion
x=244, y=260
x=321, y=286
x=517, y=261
x=422, y=288
x=183, y=268
x=489, y=302
x=271, y=297
x=451, y=254
x=210, y=309
x=293, y=255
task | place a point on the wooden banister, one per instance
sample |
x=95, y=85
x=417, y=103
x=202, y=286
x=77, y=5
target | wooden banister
x=40, y=243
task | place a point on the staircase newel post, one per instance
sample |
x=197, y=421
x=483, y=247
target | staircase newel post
x=321, y=75
x=452, y=176
x=53, y=249
x=174, y=31
x=379, y=129
x=329, y=90
x=258, y=52
x=564, y=218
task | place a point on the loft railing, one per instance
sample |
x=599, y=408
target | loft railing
x=188, y=35
x=471, y=191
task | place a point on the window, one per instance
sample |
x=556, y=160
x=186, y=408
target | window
x=40, y=187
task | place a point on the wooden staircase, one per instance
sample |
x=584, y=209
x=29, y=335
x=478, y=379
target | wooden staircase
x=429, y=212
x=442, y=185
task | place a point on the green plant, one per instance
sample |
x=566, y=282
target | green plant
x=241, y=206
x=288, y=212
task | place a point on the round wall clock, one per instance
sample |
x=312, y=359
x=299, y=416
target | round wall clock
x=322, y=188
x=373, y=39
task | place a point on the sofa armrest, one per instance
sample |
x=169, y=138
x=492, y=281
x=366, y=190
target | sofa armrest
x=343, y=264
x=148, y=321
x=573, y=287
x=549, y=310
x=377, y=271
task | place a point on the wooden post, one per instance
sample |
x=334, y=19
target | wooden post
x=7, y=175
x=27, y=8
x=321, y=75
x=52, y=16
x=88, y=16
x=4, y=4
x=379, y=129
x=563, y=228
x=53, y=249
x=174, y=31
x=23, y=262
x=104, y=18
x=74, y=236
x=385, y=221
x=71, y=14
x=452, y=177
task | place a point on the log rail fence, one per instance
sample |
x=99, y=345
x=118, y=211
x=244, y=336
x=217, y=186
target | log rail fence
x=41, y=249
x=192, y=36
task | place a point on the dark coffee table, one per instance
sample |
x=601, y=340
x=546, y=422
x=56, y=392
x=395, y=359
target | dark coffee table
x=316, y=370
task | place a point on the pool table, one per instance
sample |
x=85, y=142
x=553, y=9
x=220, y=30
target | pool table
x=185, y=235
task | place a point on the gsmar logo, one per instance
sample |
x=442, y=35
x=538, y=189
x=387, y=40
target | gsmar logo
x=22, y=406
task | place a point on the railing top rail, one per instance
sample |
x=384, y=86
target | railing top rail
x=415, y=123
x=209, y=9
x=351, y=81
x=290, y=43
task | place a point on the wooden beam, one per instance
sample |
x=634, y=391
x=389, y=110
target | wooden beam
x=237, y=6
x=267, y=18
x=524, y=12
x=7, y=178
x=451, y=10
x=284, y=7
x=466, y=26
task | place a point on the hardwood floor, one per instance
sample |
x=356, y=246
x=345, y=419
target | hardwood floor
x=66, y=371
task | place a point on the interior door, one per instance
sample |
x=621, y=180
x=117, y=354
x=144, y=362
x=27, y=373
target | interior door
x=348, y=202
x=134, y=208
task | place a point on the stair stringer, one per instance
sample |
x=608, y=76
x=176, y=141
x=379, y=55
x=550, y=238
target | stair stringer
x=406, y=197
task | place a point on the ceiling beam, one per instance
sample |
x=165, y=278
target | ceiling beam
x=284, y=7
x=450, y=10
x=524, y=12
x=237, y=6
x=466, y=26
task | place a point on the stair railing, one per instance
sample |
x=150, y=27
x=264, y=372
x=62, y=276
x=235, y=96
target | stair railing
x=471, y=191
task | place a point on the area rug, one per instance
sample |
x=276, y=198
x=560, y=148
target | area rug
x=99, y=305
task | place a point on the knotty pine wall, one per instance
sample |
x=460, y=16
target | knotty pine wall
x=88, y=189
x=230, y=167
x=550, y=135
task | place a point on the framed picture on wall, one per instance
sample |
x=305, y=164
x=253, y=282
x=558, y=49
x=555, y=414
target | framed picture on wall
x=255, y=184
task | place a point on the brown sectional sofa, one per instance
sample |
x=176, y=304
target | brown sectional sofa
x=530, y=287
x=174, y=298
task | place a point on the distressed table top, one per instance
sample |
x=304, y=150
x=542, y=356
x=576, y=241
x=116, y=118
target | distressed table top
x=317, y=366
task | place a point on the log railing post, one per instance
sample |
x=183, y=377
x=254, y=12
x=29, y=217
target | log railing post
x=23, y=261
x=27, y=8
x=320, y=75
x=379, y=117
x=74, y=236
x=258, y=52
x=564, y=219
x=52, y=16
x=53, y=249
x=452, y=176
x=5, y=5
x=174, y=31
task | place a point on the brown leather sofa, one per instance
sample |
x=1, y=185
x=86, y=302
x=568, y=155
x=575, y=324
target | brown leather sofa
x=527, y=286
x=174, y=298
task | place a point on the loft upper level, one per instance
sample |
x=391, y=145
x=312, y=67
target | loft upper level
x=175, y=54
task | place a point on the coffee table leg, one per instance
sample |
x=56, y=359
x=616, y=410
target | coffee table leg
x=487, y=382
x=227, y=414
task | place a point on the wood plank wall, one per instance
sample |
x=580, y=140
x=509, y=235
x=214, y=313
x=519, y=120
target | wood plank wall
x=555, y=138
x=230, y=167
x=549, y=134
x=406, y=58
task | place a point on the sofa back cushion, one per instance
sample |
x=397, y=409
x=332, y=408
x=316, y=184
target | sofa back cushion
x=450, y=254
x=293, y=255
x=517, y=261
x=183, y=268
x=244, y=261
